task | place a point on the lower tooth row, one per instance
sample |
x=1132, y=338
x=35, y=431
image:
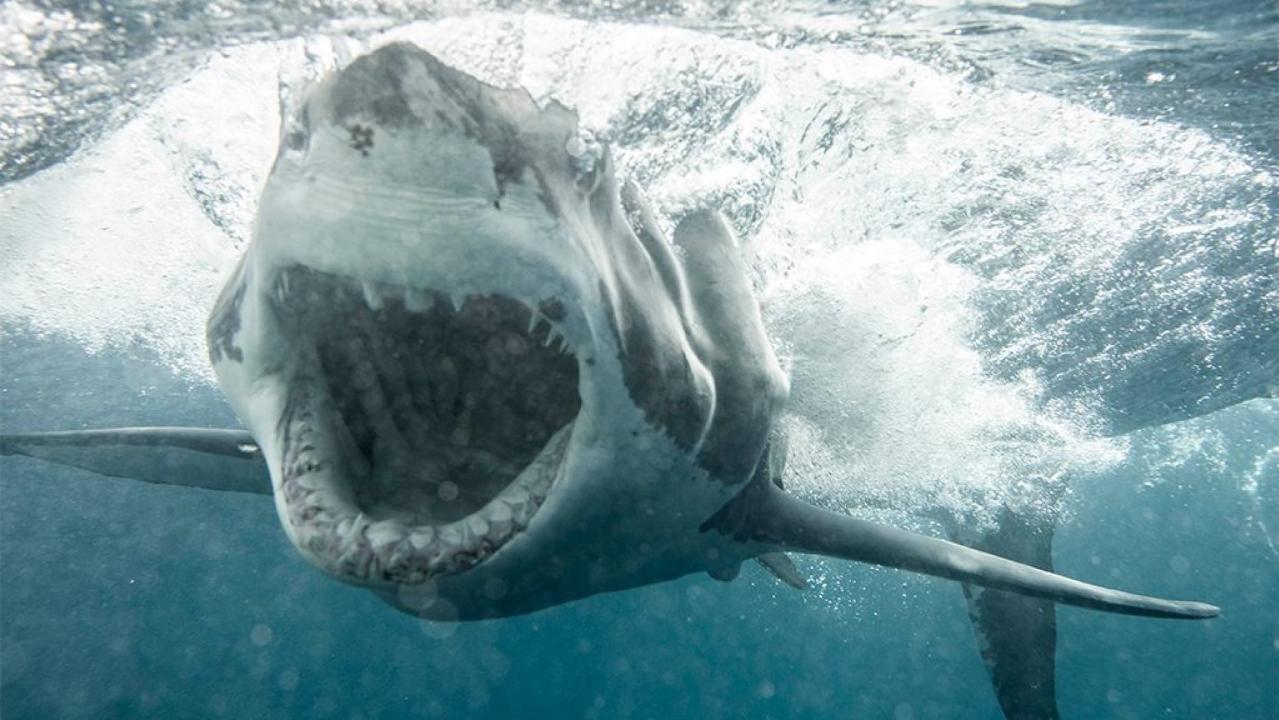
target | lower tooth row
x=364, y=548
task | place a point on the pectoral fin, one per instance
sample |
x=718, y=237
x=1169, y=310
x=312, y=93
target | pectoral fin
x=209, y=458
x=776, y=519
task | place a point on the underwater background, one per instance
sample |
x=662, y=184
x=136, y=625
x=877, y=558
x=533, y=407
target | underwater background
x=997, y=245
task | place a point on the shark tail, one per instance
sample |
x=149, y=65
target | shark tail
x=1016, y=634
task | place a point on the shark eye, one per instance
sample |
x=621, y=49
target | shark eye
x=297, y=133
x=585, y=152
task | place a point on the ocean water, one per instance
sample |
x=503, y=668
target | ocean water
x=1002, y=248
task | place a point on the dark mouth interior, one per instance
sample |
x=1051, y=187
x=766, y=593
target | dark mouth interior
x=438, y=409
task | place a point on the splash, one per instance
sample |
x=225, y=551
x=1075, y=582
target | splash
x=1236, y=449
x=918, y=237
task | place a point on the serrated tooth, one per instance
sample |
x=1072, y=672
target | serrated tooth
x=417, y=301
x=358, y=523
x=372, y=297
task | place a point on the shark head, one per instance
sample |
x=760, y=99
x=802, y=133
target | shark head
x=469, y=356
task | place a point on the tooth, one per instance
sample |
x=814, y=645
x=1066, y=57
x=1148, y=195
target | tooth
x=310, y=481
x=499, y=512
x=533, y=319
x=384, y=532
x=371, y=296
x=417, y=301
x=518, y=495
x=344, y=528
x=321, y=498
x=358, y=523
x=451, y=535
x=422, y=539
x=477, y=525
x=322, y=517
x=458, y=299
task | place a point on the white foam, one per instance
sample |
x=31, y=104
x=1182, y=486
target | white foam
x=115, y=247
x=857, y=179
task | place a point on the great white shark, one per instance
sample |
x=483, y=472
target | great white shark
x=479, y=380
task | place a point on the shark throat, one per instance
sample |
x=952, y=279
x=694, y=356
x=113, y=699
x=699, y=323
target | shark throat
x=421, y=431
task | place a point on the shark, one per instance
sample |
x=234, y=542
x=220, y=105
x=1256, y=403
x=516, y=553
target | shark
x=478, y=378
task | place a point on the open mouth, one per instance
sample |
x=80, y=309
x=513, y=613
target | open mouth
x=420, y=432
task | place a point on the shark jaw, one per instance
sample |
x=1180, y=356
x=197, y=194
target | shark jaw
x=420, y=432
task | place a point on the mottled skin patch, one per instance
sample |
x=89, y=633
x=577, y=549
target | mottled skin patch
x=401, y=87
x=361, y=138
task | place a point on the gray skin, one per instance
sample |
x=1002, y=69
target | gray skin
x=484, y=383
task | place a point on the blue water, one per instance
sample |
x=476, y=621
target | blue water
x=127, y=600
x=120, y=599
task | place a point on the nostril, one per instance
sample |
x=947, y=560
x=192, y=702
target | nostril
x=295, y=140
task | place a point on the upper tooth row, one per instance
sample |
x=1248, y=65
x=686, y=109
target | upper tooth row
x=416, y=300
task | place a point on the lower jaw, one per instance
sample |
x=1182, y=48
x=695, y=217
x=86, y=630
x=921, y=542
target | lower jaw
x=334, y=533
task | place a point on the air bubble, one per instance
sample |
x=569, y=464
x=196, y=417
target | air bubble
x=261, y=635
